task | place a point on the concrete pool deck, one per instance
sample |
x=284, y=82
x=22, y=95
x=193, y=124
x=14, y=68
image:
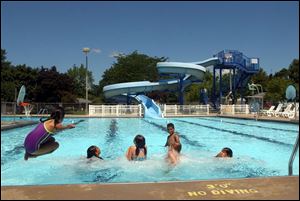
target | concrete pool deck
x=266, y=188
x=15, y=124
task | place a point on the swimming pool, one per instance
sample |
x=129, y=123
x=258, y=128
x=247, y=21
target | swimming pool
x=260, y=149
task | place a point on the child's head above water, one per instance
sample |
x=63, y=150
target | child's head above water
x=170, y=128
x=225, y=152
x=93, y=151
x=139, y=141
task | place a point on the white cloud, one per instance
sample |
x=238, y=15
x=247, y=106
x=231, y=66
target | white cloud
x=116, y=54
x=96, y=50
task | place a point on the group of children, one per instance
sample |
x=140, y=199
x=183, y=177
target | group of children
x=40, y=141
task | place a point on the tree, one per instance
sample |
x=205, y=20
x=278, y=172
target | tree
x=7, y=79
x=54, y=87
x=260, y=78
x=192, y=93
x=130, y=68
x=294, y=71
x=283, y=73
x=276, y=89
x=27, y=76
x=78, y=74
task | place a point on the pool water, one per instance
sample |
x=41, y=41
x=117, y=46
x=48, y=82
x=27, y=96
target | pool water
x=260, y=149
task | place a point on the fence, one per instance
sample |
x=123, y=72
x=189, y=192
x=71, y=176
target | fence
x=123, y=110
x=42, y=108
x=234, y=109
x=138, y=110
x=116, y=110
x=179, y=110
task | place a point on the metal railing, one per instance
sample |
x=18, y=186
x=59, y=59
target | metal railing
x=291, y=161
x=234, y=57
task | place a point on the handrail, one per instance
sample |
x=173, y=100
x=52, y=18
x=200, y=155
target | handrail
x=296, y=145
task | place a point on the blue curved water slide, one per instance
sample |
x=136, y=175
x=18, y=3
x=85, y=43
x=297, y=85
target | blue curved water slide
x=151, y=109
x=185, y=74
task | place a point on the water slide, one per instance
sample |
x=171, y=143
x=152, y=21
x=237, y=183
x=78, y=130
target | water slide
x=184, y=73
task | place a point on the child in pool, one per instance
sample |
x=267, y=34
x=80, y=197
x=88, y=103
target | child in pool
x=139, y=150
x=40, y=140
x=173, y=144
x=94, y=151
x=225, y=152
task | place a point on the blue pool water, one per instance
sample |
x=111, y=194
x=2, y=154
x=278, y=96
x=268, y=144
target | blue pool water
x=260, y=149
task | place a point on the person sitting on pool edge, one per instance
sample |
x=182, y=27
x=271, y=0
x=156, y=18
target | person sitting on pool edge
x=93, y=151
x=225, y=152
x=138, y=152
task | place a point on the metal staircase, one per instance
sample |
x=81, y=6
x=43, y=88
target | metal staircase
x=243, y=68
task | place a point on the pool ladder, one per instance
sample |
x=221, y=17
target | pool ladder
x=296, y=145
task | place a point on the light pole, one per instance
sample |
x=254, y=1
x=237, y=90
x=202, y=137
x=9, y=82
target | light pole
x=86, y=50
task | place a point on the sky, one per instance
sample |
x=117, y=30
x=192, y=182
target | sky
x=53, y=33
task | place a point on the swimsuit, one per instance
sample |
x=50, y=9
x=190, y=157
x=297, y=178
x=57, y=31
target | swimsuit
x=139, y=158
x=36, y=137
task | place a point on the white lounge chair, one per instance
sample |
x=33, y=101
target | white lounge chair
x=293, y=112
x=286, y=111
x=278, y=109
x=265, y=112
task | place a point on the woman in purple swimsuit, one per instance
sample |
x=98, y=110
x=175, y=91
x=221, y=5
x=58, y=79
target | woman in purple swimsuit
x=40, y=141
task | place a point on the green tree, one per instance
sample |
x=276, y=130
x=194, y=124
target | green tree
x=27, y=76
x=192, y=93
x=276, y=89
x=294, y=71
x=260, y=78
x=78, y=74
x=53, y=86
x=283, y=73
x=7, y=79
x=130, y=68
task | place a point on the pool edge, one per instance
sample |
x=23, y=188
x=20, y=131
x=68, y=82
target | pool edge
x=280, y=187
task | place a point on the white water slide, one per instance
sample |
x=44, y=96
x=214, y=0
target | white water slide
x=188, y=72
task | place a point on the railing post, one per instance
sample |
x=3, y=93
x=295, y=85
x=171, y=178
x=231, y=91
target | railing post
x=221, y=109
x=102, y=112
x=292, y=157
x=140, y=110
x=117, y=110
x=175, y=109
x=247, y=109
x=165, y=110
x=207, y=109
x=233, y=109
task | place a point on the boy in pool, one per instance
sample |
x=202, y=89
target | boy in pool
x=173, y=144
x=93, y=151
x=40, y=141
x=225, y=152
